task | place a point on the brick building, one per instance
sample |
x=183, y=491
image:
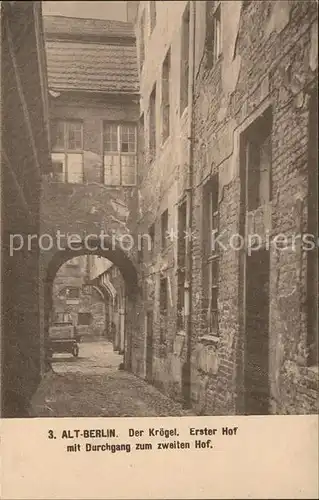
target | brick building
x=228, y=100
x=25, y=158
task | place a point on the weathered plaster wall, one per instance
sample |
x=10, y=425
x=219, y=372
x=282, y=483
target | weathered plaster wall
x=162, y=183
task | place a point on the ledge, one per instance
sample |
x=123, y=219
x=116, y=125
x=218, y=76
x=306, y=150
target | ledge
x=182, y=333
x=209, y=339
x=313, y=369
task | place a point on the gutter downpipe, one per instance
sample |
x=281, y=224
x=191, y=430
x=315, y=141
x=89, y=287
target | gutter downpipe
x=189, y=204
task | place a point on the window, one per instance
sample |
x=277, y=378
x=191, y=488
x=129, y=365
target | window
x=87, y=289
x=151, y=233
x=312, y=255
x=141, y=146
x=258, y=161
x=214, y=32
x=181, y=263
x=119, y=141
x=166, y=96
x=163, y=308
x=70, y=293
x=184, y=61
x=142, y=42
x=140, y=251
x=217, y=48
x=84, y=318
x=152, y=124
x=164, y=229
x=152, y=15
x=67, y=150
x=57, y=171
x=211, y=251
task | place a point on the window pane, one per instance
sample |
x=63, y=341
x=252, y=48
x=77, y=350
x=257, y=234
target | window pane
x=57, y=133
x=214, y=272
x=265, y=168
x=73, y=293
x=214, y=321
x=128, y=142
x=112, y=170
x=128, y=164
x=215, y=221
x=74, y=136
x=214, y=295
x=58, y=164
x=110, y=137
x=75, y=167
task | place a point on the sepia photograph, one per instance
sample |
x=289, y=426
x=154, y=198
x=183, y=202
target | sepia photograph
x=159, y=212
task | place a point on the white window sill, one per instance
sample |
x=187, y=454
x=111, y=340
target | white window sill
x=209, y=339
x=314, y=369
x=181, y=333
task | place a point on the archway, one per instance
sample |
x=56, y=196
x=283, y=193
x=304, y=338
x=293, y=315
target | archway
x=105, y=249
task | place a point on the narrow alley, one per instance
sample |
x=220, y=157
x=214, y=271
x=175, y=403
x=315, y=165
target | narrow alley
x=93, y=385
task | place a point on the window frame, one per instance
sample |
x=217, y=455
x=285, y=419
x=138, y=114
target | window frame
x=142, y=40
x=163, y=311
x=65, y=150
x=212, y=256
x=118, y=153
x=217, y=33
x=152, y=132
x=152, y=16
x=255, y=138
x=166, y=101
x=214, y=26
x=184, y=66
x=181, y=264
x=164, y=229
x=151, y=233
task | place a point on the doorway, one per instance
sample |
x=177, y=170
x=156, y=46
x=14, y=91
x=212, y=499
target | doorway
x=256, y=352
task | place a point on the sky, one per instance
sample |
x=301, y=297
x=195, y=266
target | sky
x=103, y=9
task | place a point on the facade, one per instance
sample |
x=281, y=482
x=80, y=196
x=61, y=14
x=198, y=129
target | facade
x=25, y=158
x=93, y=88
x=228, y=93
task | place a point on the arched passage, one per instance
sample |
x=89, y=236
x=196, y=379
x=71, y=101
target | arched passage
x=108, y=250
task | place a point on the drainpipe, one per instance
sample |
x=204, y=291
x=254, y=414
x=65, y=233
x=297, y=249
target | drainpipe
x=189, y=209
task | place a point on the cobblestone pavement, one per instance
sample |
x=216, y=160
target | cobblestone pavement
x=93, y=386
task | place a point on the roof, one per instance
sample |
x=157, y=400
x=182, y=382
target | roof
x=77, y=61
x=72, y=26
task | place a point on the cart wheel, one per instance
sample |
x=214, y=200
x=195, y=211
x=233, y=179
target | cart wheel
x=75, y=350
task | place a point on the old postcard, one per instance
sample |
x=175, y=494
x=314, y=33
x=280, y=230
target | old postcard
x=159, y=264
